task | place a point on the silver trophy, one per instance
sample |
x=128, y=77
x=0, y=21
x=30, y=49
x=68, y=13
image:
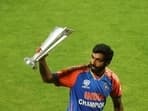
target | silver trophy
x=55, y=37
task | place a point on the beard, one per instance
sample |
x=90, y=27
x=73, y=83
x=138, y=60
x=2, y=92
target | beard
x=96, y=69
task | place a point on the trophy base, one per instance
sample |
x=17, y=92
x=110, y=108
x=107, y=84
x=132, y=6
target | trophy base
x=30, y=62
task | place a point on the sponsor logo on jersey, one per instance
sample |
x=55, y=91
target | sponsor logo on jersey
x=93, y=96
x=92, y=100
x=86, y=84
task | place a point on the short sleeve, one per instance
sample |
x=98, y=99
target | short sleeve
x=116, y=86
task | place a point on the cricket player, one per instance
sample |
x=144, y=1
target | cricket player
x=89, y=84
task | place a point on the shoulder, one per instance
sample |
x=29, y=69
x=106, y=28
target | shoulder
x=68, y=76
x=116, y=85
x=111, y=74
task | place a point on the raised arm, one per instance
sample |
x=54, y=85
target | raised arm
x=45, y=72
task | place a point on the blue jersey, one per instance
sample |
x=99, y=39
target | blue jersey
x=88, y=93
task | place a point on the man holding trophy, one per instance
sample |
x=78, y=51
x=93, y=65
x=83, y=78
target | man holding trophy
x=89, y=84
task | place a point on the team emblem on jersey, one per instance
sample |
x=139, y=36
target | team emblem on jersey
x=86, y=83
x=106, y=87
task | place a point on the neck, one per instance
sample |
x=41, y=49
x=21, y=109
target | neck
x=100, y=73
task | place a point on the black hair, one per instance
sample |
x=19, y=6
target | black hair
x=105, y=50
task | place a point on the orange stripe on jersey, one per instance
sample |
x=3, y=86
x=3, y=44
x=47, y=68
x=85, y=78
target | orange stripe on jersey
x=116, y=85
x=67, y=77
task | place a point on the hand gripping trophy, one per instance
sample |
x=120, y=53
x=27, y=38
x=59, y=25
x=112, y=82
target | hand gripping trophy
x=55, y=37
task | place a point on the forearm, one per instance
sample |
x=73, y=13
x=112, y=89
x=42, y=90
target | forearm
x=117, y=103
x=118, y=108
x=45, y=71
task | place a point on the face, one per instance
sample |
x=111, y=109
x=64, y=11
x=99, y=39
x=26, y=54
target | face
x=97, y=62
